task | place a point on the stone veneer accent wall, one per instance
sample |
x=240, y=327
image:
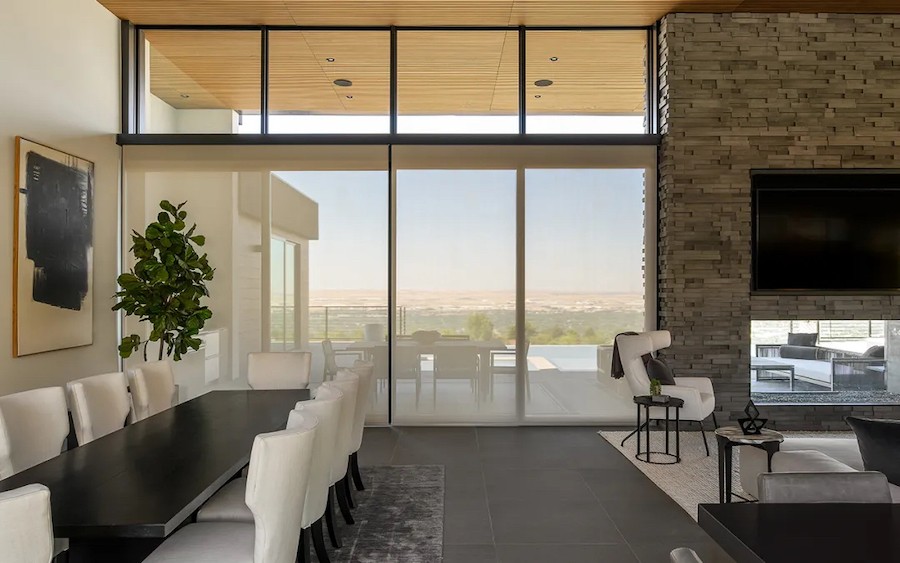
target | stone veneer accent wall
x=761, y=91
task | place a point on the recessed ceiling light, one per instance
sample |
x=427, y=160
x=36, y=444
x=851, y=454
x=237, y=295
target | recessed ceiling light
x=537, y=95
x=543, y=83
x=330, y=59
x=554, y=59
x=343, y=82
x=185, y=96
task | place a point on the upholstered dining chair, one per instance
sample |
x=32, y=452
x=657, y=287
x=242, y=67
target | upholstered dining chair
x=348, y=383
x=330, y=355
x=366, y=373
x=100, y=404
x=35, y=425
x=279, y=370
x=275, y=492
x=684, y=555
x=26, y=527
x=832, y=487
x=696, y=392
x=228, y=505
x=152, y=388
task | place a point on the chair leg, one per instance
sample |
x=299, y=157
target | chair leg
x=318, y=539
x=303, y=549
x=340, y=489
x=347, y=488
x=330, y=521
x=703, y=433
x=354, y=469
x=63, y=557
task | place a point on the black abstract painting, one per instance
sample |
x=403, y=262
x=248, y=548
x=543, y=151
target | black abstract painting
x=54, y=249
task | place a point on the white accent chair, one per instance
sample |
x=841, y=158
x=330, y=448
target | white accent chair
x=228, y=504
x=152, y=389
x=696, y=392
x=684, y=555
x=831, y=487
x=279, y=370
x=366, y=373
x=100, y=405
x=26, y=526
x=276, y=488
x=36, y=426
x=348, y=383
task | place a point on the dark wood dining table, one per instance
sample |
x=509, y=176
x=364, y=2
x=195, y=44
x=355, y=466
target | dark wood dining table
x=793, y=533
x=118, y=497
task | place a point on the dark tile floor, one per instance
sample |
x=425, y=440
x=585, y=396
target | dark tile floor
x=542, y=494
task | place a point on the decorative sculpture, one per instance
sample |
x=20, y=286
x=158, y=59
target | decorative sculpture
x=752, y=425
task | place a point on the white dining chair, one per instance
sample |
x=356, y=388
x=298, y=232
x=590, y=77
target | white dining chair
x=366, y=373
x=34, y=426
x=348, y=383
x=152, y=388
x=26, y=526
x=279, y=370
x=100, y=405
x=275, y=492
x=228, y=504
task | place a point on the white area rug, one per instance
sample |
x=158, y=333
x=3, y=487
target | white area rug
x=696, y=479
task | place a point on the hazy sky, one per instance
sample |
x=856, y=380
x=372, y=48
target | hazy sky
x=456, y=230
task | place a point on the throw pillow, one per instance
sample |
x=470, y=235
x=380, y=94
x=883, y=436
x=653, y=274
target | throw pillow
x=802, y=338
x=657, y=369
x=874, y=352
x=798, y=352
x=879, y=445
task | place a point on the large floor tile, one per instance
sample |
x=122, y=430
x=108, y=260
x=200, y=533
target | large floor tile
x=565, y=553
x=544, y=521
x=467, y=523
x=643, y=521
x=470, y=554
x=621, y=484
x=377, y=446
x=553, y=484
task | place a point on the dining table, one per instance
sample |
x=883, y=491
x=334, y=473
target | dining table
x=118, y=497
x=792, y=533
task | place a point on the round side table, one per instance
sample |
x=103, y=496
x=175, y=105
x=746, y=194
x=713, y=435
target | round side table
x=647, y=402
x=729, y=437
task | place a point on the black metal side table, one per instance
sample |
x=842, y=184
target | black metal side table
x=647, y=402
x=730, y=436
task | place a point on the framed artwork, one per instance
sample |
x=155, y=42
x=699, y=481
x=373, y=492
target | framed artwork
x=53, y=250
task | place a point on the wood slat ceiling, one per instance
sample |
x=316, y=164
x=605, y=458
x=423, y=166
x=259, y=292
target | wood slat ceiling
x=439, y=72
x=458, y=12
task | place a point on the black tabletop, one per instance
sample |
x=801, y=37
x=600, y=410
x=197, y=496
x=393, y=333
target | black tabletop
x=790, y=533
x=647, y=401
x=146, y=479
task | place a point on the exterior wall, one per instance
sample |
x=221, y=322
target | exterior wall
x=60, y=61
x=761, y=91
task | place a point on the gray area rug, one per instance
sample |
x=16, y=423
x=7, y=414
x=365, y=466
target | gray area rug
x=399, y=517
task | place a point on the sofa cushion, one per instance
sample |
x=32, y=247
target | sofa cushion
x=806, y=461
x=845, y=450
x=879, y=445
x=798, y=352
x=802, y=338
x=657, y=369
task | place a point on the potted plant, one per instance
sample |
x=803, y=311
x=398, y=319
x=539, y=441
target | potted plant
x=166, y=285
x=656, y=392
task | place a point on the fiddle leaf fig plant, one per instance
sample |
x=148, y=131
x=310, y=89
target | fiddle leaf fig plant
x=166, y=285
x=655, y=387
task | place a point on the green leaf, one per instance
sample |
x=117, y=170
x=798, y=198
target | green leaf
x=199, y=240
x=167, y=206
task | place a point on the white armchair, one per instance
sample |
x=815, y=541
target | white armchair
x=696, y=392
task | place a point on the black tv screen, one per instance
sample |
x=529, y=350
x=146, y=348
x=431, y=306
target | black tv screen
x=826, y=233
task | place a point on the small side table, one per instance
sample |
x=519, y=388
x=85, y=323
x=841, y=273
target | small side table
x=728, y=437
x=647, y=402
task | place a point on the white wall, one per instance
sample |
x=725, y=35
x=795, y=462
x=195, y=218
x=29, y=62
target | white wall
x=60, y=86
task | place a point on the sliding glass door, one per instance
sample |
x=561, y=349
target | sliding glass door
x=455, y=295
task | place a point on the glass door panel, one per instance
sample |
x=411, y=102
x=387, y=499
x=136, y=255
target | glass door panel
x=584, y=255
x=455, y=295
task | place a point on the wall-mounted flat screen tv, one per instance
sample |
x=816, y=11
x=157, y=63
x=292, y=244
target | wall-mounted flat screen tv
x=826, y=233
